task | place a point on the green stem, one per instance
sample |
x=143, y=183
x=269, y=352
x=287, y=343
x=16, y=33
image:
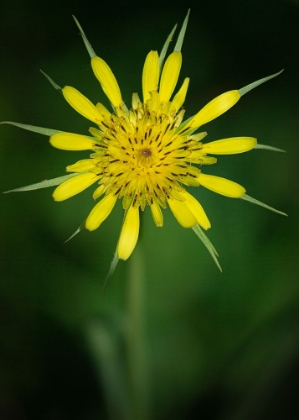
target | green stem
x=136, y=343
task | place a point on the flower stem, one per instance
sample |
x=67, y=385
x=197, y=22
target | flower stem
x=136, y=343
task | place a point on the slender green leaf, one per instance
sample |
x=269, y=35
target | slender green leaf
x=44, y=184
x=179, y=43
x=266, y=147
x=111, y=271
x=259, y=203
x=88, y=46
x=165, y=47
x=253, y=85
x=207, y=243
x=40, y=130
x=55, y=85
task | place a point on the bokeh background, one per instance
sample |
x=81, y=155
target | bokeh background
x=219, y=346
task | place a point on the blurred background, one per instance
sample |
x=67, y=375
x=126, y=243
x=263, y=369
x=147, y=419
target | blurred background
x=217, y=346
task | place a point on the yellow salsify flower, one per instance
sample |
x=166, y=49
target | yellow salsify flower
x=146, y=155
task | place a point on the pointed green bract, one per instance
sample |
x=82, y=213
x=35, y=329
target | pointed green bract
x=89, y=48
x=165, y=47
x=207, y=243
x=55, y=85
x=34, y=129
x=179, y=43
x=259, y=203
x=253, y=85
x=111, y=271
x=82, y=226
x=43, y=184
x=271, y=148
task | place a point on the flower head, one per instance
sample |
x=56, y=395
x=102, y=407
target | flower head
x=147, y=155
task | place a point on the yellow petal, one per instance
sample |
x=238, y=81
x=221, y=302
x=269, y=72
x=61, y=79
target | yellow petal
x=179, y=98
x=129, y=233
x=170, y=75
x=69, y=141
x=221, y=186
x=150, y=74
x=81, y=104
x=98, y=192
x=182, y=213
x=74, y=186
x=107, y=79
x=103, y=110
x=197, y=210
x=229, y=146
x=100, y=212
x=215, y=108
x=157, y=214
x=82, y=166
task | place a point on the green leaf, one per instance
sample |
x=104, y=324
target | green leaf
x=259, y=203
x=40, y=130
x=55, y=85
x=82, y=226
x=266, y=147
x=253, y=85
x=44, y=184
x=207, y=243
x=88, y=46
x=179, y=43
x=165, y=47
x=111, y=271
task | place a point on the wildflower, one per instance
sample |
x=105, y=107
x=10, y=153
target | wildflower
x=146, y=155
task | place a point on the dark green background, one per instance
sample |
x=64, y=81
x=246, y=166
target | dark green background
x=220, y=346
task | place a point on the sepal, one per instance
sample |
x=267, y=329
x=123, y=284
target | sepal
x=40, y=130
x=55, y=85
x=113, y=265
x=259, y=203
x=208, y=244
x=43, y=184
x=253, y=85
x=180, y=40
x=82, y=226
x=86, y=42
x=271, y=148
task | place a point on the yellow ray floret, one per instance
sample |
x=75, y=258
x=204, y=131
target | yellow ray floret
x=222, y=186
x=182, y=213
x=157, y=214
x=230, y=146
x=107, y=79
x=129, y=233
x=74, y=186
x=100, y=212
x=215, y=108
x=170, y=75
x=81, y=104
x=150, y=75
x=180, y=97
x=197, y=209
x=70, y=141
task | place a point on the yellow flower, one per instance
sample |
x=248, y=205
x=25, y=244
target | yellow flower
x=147, y=156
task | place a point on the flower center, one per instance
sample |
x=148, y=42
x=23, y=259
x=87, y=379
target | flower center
x=143, y=158
x=146, y=153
